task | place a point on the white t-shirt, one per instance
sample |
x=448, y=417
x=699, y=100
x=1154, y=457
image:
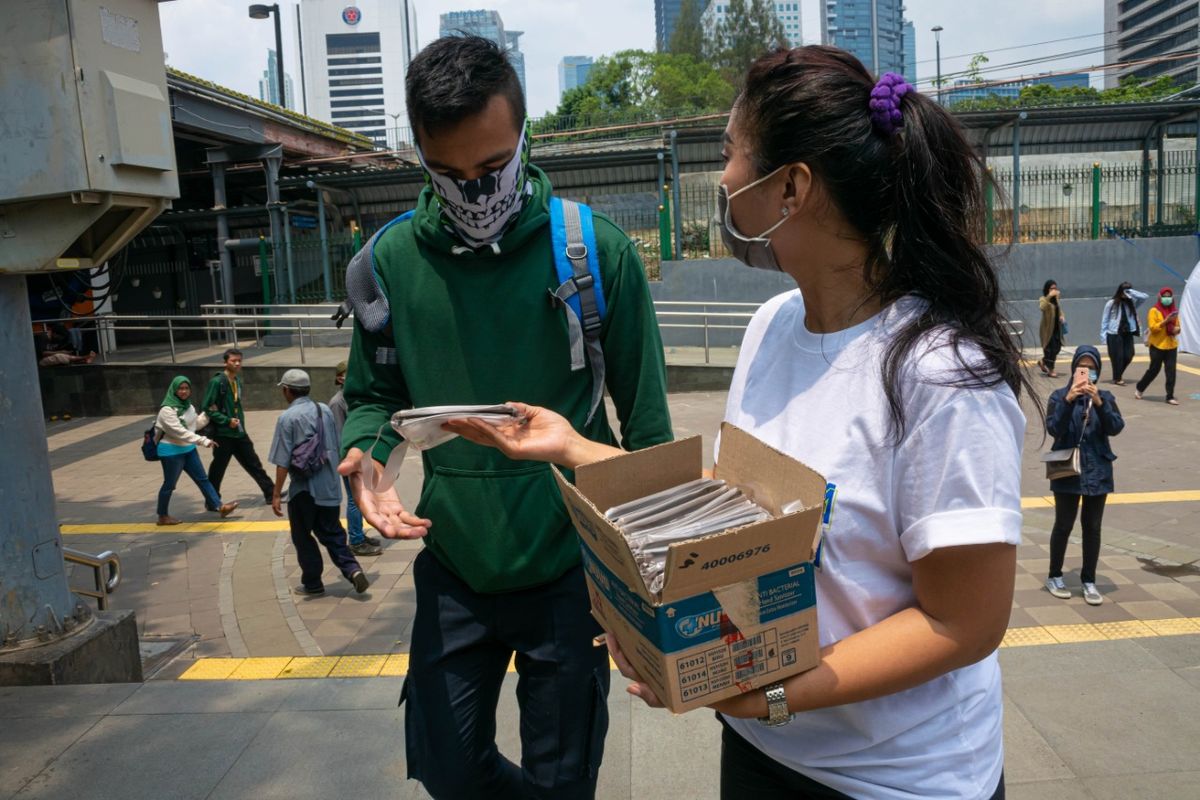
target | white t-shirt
x=954, y=479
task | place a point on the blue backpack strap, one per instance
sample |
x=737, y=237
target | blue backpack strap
x=580, y=290
x=364, y=290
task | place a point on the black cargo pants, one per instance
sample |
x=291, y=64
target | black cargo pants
x=462, y=643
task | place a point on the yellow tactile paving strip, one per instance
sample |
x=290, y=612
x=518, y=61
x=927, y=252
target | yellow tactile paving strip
x=396, y=665
x=275, y=526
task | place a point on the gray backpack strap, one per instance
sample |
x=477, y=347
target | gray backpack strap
x=584, y=330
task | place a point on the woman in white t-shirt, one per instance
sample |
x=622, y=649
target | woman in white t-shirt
x=890, y=371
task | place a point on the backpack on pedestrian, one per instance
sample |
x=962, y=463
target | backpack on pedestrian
x=150, y=443
x=580, y=291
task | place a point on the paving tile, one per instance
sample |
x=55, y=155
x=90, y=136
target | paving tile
x=1041, y=790
x=1060, y=614
x=63, y=701
x=180, y=756
x=30, y=745
x=205, y=697
x=1027, y=756
x=293, y=750
x=1146, y=786
x=1149, y=609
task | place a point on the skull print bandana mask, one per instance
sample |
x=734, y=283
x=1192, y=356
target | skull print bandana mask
x=481, y=209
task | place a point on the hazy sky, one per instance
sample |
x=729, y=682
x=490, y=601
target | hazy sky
x=216, y=39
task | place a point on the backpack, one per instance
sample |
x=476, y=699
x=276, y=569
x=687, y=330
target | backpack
x=580, y=292
x=150, y=443
x=308, y=457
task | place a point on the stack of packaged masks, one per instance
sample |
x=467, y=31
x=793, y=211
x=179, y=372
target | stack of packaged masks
x=689, y=511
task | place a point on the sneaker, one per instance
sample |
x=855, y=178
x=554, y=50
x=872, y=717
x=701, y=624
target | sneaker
x=304, y=591
x=1137, y=394
x=1172, y=402
x=360, y=582
x=1091, y=594
x=1057, y=588
x=375, y=540
x=365, y=548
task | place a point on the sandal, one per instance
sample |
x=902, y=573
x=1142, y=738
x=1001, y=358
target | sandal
x=1042, y=367
x=1172, y=402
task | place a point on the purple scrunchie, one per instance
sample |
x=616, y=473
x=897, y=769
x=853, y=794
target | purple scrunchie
x=885, y=102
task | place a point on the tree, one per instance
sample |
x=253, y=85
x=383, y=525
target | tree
x=688, y=38
x=635, y=84
x=1042, y=95
x=750, y=29
x=973, y=68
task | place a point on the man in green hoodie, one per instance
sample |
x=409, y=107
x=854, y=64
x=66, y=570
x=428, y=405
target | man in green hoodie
x=468, y=320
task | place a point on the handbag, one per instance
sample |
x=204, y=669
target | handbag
x=308, y=456
x=1065, y=463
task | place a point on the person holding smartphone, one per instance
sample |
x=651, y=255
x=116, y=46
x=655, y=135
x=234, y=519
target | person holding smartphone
x=1163, y=339
x=1081, y=415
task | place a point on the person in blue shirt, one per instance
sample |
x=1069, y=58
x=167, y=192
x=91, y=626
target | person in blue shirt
x=1081, y=415
x=1119, y=326
x=314, y=501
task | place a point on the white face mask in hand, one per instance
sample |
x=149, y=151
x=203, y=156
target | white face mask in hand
x=481, y=209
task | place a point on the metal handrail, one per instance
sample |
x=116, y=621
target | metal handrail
x=98, y=564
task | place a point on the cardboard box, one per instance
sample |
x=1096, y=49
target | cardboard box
x=738, y=609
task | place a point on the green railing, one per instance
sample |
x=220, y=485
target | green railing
x=1061, y=204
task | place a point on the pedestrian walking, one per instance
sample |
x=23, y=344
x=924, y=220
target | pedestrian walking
x=1163, y=339
x=223, y=402
x=1053, y=328
x=1080, y=415
x=305, y=430
x=360, y=543
x=1119, y=327
x=869, y=196
x=450, y=307
x=176, y=422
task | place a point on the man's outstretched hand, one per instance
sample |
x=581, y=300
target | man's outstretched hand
x=382, y=510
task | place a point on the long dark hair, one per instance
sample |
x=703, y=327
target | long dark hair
x=915, y=196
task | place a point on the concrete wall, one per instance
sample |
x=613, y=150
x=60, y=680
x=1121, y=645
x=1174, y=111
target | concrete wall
x=1087, y=273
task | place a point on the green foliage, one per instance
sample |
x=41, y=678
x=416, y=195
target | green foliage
x=751, y=28
x=973, y=68
x=638, y=85
x=688, y=38
x=1042, y=95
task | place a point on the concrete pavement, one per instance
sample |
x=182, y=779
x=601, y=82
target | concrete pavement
x=1101, y=702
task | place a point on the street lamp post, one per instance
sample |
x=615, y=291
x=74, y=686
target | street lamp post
x=396, y=128
x=259, y=11
x=937, y=38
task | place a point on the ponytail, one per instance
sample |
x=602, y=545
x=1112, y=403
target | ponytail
x=913, y=190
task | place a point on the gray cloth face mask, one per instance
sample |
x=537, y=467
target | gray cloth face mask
x=753, y=251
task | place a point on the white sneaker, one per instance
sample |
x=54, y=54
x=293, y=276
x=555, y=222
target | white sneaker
x=1091, y=594
x=1057, y=588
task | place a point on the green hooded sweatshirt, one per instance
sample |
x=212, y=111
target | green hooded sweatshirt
x=475, y=326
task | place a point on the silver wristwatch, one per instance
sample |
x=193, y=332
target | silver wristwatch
x=777, y=707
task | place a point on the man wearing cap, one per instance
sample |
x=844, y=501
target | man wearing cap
x=313, y=500
x=360, y=543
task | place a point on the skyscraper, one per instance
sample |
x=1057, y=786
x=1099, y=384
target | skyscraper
x=488, y=25
x=788, y=13
x=1160, y=34
x=910, y=52
x=870, y=29
x=267, y=88
x=355, y=59
x=666, y=13
x=573, y=71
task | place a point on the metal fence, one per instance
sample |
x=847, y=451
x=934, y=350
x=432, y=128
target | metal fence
x=1060, y=204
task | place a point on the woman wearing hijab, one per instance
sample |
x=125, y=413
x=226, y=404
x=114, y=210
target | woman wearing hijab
x=1080, y=415
x=1052, y=329
x=1164, y=344
x=177, y=423
x=1119, y=327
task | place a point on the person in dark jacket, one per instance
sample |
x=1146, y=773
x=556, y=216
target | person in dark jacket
x=1080, y=415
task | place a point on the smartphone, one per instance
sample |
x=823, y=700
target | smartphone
x=1082, y=375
